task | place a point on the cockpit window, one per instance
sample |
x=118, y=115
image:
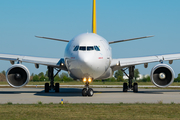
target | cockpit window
x=76, y=48
x=90, y=48
x=96, y=48
x=83, y=48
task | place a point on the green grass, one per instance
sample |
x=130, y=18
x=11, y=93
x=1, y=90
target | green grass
x=90, y=111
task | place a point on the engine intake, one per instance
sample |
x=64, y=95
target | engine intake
x=17, y=75
x=162, y=75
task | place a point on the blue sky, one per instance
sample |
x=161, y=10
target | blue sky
x=21, y=20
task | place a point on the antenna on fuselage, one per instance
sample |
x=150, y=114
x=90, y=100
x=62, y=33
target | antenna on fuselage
x=94, y=18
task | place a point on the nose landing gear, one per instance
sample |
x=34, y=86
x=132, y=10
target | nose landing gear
x=87, y=91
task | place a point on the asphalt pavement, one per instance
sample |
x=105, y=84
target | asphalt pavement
x=101, y=95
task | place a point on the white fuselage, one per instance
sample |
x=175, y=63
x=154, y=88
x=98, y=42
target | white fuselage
x=88, y=55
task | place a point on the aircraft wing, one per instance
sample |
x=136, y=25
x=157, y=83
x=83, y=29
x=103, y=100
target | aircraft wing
x=54, y=62
x=125, y=62
x=130, y=39
x=53, y=39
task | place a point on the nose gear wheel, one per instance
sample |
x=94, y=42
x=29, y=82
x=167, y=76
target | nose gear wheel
x=87, y=91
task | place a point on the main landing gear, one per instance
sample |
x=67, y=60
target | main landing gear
x=129, y=86
x=87, y=91
x=51, y=78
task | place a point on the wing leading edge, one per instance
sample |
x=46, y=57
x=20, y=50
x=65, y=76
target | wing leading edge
x=129, y=39
x=125, y=62
x=55, y=62
x=53, y=39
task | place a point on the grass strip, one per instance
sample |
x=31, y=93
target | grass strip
x=90, y=111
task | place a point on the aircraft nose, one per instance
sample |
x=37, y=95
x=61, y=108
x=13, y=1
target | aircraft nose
x=86, y=59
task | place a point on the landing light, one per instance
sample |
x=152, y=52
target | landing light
x=89, y=80
x=84, y=79
x=62, y=64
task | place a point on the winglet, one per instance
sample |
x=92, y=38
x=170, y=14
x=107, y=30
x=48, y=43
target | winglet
x=94, y=18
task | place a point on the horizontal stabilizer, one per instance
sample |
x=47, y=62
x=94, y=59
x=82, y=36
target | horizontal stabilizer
x=52, y=39
x=130, y=39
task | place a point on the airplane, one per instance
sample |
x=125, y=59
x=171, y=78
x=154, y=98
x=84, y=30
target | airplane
x=87, y=57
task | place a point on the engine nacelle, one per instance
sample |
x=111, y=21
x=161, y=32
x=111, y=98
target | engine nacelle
x=107, y=74
x=162, y=75
x=17, y=75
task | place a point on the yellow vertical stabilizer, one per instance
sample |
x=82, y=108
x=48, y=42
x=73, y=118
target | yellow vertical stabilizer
x=94, y=18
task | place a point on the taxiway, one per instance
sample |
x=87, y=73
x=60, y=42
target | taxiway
x=101, y=95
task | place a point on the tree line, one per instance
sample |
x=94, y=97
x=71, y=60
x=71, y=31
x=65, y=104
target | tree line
x=44, y=77
x=118, y=77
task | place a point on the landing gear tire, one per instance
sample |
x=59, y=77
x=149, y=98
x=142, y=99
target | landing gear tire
x=84, y=92
x=46, y=87
x=90, y=92
x=57, y=87
x=125, y=88
x=135, y=87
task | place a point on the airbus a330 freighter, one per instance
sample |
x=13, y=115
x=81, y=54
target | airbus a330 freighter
x=87, y=57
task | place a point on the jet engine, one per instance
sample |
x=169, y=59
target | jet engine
x=17, y=75
x=107, y=74
x=162, y=75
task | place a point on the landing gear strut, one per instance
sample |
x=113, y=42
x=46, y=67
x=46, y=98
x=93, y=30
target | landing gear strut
x=51, y=78
x=87, y=91
x=133, y=87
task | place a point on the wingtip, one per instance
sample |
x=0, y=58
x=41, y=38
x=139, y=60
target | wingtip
x=150, y=36
x=37, y=36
